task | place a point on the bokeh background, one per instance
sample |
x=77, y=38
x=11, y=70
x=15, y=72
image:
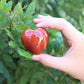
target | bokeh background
x=16, y=66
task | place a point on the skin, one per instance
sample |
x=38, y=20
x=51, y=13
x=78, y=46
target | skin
x=72, y=62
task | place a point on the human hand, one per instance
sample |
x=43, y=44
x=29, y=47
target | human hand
x=72, y=62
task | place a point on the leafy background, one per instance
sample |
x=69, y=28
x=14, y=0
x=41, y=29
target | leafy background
x=16, y=66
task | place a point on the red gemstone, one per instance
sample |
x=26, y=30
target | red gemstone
x=36, y=40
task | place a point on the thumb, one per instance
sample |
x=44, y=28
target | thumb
x=61, y=63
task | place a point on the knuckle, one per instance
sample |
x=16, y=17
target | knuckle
x=63, y=20
x=80, y=40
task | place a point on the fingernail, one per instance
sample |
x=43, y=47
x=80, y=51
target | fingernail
x=38, y=25
x=40, y=15
x=34, y=20
x=36, y=57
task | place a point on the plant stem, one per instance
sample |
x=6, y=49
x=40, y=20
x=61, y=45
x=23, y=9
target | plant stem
x=3, y=26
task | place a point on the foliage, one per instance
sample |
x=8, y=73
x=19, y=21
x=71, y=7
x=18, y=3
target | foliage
x=16, y=66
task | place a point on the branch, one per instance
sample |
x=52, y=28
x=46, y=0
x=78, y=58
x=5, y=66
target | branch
x=7, y=18
x=3, y=26
x=17, y=13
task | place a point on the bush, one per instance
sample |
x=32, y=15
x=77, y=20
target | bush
x=16, y=66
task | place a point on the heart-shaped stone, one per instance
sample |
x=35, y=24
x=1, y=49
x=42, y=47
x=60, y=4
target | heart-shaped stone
x=36, y=40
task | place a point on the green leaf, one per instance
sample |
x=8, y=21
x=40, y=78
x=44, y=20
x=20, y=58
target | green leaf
x=2, y=78
x=7, y=58
x=24, y=78
x=5, y=72
x=30, y=9
x=52, y=33
x=10, y=79
x=26, y=18
x=62, y=13
x=83, y=29
x=1, y=17
x=8, y=7
x=11, y=65
x=2, y=44
x=3, y=2
x=18, y=9
x=4, y=20
x=9, y=34
x=12, y=44
x=82, y=82
x=56, y=72
x=23, y=53
x=49, y=7
x=38, y=76
x=0, y=6
x=49, y=47
x=1, y=67
x=50, y=80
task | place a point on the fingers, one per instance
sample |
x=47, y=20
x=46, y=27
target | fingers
x=71, y=34
x=67, y=29
x=40, y=16
x=39, y=25
x=37, y=21
x=55, y=62
x=44, y=20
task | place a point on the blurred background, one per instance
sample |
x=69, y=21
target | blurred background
x=15, y=67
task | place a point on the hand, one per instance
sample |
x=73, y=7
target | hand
x=72, y=62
